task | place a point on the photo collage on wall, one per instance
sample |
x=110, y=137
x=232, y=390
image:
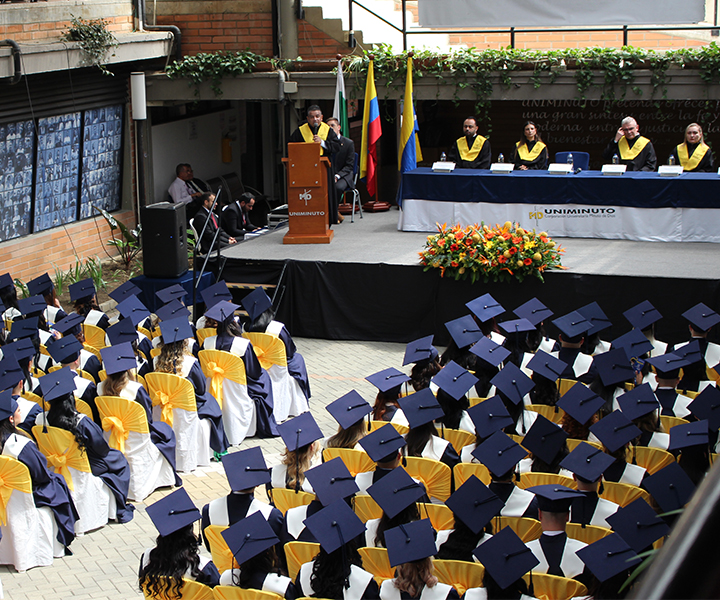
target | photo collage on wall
x=102, y=135
x=16, y=164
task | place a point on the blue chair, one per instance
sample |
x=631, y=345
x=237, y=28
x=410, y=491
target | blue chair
x=581, y=160
x=354, y=191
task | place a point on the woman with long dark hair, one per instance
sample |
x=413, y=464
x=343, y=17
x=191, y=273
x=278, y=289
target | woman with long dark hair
x=84, y=298
x=530, y=152
x=43, y=286
x=422, y=439
x=13, y=379
x=389, y=385
x=349, y=411
x=300, y=435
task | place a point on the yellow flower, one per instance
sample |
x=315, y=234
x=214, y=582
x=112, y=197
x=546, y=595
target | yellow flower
x=529, y=245
x=488, y=245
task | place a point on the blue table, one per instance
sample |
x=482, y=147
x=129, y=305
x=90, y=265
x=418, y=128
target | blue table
x=150, y=285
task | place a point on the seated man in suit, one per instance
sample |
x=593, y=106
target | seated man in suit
x=204, y=215
x=235, y=217
x=343, y=161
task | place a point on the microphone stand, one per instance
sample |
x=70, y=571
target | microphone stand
x=196, y=278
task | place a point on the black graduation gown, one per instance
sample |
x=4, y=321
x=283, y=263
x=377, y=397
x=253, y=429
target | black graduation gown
x=481, y=161
x=532, y=165
x=645, y=161
x=706, y=164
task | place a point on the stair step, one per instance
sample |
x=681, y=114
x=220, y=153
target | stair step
x=251, y=286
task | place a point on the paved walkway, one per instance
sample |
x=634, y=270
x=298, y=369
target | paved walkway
x=105, y=563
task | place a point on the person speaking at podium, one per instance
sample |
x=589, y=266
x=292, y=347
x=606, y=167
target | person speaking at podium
x=472, y=151
x=632, y=149
x=694, y=154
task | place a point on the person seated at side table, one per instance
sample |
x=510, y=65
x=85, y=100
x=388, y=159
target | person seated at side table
x=633, y=150
x=694, y=155
x=472, y=151
x=531, y=153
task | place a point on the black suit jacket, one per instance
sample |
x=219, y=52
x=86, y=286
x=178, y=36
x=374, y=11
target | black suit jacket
x=234, y=221
x=344, y=160
x=207, y=237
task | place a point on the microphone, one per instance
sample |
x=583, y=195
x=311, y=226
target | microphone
x=315, y=129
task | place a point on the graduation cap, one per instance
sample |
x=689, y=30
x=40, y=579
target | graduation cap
x=587, y=462
x=489, y=351
x=547, y=365
x=335, y=525
x=299, y=431
x=554, y=497
x=534, y=311
x=245, y=469
x=65, y=350
x=670, y=486
x=175, y=330
x=642, y=315
x=638, y=402
x=222, y=311
x=8, y=405
x=420, y=408
x=10, y=372
x=638, y=525
x=573, y=326
x=349, y=409
x=172, y=310
x=464, y=331
x=544, y=439
x=124, y=291
x=512, y=382
x=615, y=430
x=608, y=557
x=122, y=331
x=6, y=281
x=396, y=491
x=173, y=292
x=517, y=326
x=32, y=306
x=256, y=303
x=454, y=380
x=687, y=435
x=70, y=324
x=382, y=442
x=56, y=384
x=499, y=453
x=249, y=537
x=21, y=349
x=216, y=292
x=420, y=351
x=490, y=416
x=595, y=315
x=702, y=317
x=485, y=308
x=580, y=402
x=613, y=366
x=410, y=541
x=634, y=343
x=40, y=285
x=332, y=481
x=668, y=365
x=173, y=512
x=387, y=379
x=505, y=557
x=23, y=328
x=82, y=289
x=132, y=309
x=118, y=358
x=705, y=406
x=474, y=504
x=690, y=352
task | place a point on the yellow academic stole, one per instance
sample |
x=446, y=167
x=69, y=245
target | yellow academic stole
x=628, y=153
x=308, y=134
x=529, y=156
x=691, y=162
x=470, y=154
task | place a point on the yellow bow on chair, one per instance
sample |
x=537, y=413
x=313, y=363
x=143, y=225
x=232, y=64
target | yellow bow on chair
x=13, y=476
x=269, y=349
x=120, y=416
x=170, y=392
x=118, y=433
x=219, y=365
x=62, y=452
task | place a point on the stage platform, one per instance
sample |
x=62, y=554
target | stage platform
x=368, y=285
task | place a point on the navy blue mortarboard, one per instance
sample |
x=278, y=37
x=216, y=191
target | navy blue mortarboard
x=547, y=365
x=517, y=326
x=474, y=504
x=705, y=406
x=57, y=384
x=8, y=405
x=23, y=328
x=505, y=557
x=638, y=402
x=464, y=331
x=489, y=351
x=638, y=524
x=249, y=537
x=6, y=281
x=122, y=331
x=608, y=557
x=454, y=380
x=40, y=285
x=335, y=525
x=573, y=326
x=299, y=431
x=634, y=343
x=595, y=315
x=670, y=486
x=410, y=541
x=420, y=351
x=70, y=324
x=82, y=289
x=512, y=382
x=689, y=434
x=124, y=291
x=332, y=481
x=668, y=365
x=175, y=330
x=702, y=317
x=32, y=306
x=349, y=409
x=132, y=309
x=615, y=430
x=256, y=303
x=690, y=352
x=118, y=358
x=10, y=372
x=534, y=311
x=554, y=497
x=387, y=379
x=173, y=292
x=396, y=491
x=245, y=469
x=216, y=292
x=587, y=462
x=642, y=315
x=65, y=350
x=485, y=307
x=613, y=366
x=21, y=349
x=222, y=311
x=173, y=512
x=172, y=310
x=382, y=442
x=544, y=439
x=420, y=408
x=499, y=453
x=489, y=416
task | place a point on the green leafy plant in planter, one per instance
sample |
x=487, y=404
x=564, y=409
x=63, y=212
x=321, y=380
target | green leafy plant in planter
x=128, y=245
x=94, y=39
x=212, y=67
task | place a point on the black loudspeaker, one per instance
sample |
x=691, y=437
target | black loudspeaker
x=164, y=240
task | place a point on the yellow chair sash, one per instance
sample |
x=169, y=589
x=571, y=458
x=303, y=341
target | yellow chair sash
x=652, y=459
x=39, y=400
x=299, y=553
x=307, y=133
x=83, y=408
x=94, y=335
x=457, y=437
x=526, y=529
x=120, y=416
x=231, y=592
x=433, y=474
x=13, y=476
x=191, y=590
x=205, y=333
x=623, y=493
x=467, y=153
x=628, y=153
x=401, y=429
x=269, y=349
x=221, y=554
x=548, y=412
x=366, y=508
x=284, y=499
x=356, y=461
x=441, y=517
x=219, y=365
x=552, y=587
x=587, y=534
x=460, y=574
x=170, y=392
x=528, y=480
x=463, y=472
x=529, y=155
x=691, y=162
x=376, y=561
x=62, y=452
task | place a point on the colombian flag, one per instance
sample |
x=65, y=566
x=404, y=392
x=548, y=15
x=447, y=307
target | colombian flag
x=409, y=152
x=371, y=133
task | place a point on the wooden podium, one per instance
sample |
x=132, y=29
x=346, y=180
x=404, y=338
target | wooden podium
x=307, y=195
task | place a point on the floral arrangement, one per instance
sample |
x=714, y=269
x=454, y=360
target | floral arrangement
x=498, y=253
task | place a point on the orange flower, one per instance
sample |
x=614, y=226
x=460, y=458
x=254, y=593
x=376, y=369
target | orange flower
x=441, y=242
x=516, y=240
x=513, y=250
x=543, y=239
x=506, y=236
x=502, y=259
x=528, y=261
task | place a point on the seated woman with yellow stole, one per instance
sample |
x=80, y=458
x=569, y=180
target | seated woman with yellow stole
x=694, y=154
x=531, y=153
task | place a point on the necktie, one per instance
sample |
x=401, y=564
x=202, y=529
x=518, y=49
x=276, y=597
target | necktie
x=214, y=220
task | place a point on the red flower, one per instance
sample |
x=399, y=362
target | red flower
x=502, y=259
x=454, y=264
x=528, y=261
x=513, y=250
x=454, y=248
x=506, y=236
x=517, y=240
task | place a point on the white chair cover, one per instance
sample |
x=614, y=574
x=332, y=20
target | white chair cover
x=27, y=538
x=287, y=395
x=238, y=409
x=192, y=436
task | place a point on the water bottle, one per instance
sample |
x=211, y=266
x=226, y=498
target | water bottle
x=671, y=160
x=616, y=159
x=501, y=158
x=443, y=157
x=570, y=161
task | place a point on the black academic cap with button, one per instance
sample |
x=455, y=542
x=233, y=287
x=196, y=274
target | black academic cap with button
x=124, y=291
x=21, y=349
x=57, y=384
x=670, y=486
x=689, y=434
x=547, y=365
x=40, y=285
x=23, y=328
x=613, y=366
x=573, y=326
x=485, y=307
x=615, y=430
x=8, y=405
x=122, y=331
x=554, y=497
x=173, y=512
x=349, y=409
x=32, y=306
x=249, y=537
x=70, y=324
x=638, y=524
x=410, y=541
x=464, y=331
x=505, y=557
x=544, y=439
x=335, y=525
x=499, y=453
x=216, y=292
x=172, y=310
x=222, y=311
x=587, y=462
x=595, y=315
x=642, y=315
x=81, y=289
x=489, y=416
x=173, y=292
x=132, y=309
x=299, y=431
x=707, y=406
x=387, y=379
x=638, y=402
x=332, y=481
x=245, y=469
x=382, y=442
x=10, y=372
x=512, y=382
x=690, y=352
x=175, y=330
x=396, y=491
x=534, y=311
x=420, y=408
x=454, y=380
x=517, y=326
x=256, y=303
x=118, y=358
x=608, y=557
x=420, y=351
x=489, y=351
x=667, y=366
x=65, y=350
x=6, y=281
x=634, y=343
x=474, y=504
x=702, y=317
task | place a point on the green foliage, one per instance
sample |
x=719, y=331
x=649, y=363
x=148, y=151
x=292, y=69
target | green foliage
x=93, y=270
x=191, y=243
x=59, y=280
x=212, y=67
x=22, y=286
x=94, y=40
x=128, y=245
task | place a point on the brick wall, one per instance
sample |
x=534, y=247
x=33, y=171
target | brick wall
x=52, y=31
